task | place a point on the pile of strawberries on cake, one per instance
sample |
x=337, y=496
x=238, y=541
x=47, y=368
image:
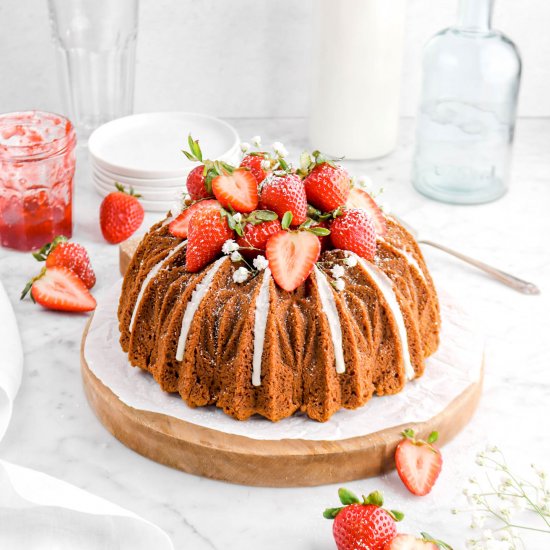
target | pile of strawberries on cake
x=274, y=214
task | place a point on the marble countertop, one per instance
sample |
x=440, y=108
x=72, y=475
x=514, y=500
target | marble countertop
x=54, y=430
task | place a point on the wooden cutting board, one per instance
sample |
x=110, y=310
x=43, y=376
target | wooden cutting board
x=275, y=463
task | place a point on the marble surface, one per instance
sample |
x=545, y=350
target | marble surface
x=54, y=430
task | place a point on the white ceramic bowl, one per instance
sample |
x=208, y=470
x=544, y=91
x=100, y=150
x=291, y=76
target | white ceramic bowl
x=149, y=193
x=149, y=145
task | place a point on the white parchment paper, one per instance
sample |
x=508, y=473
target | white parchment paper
x=455, y=366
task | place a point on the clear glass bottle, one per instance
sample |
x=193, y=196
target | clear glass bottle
x=467, y=112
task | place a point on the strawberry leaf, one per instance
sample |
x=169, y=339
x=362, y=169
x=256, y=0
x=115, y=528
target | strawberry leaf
x=439, y=543
x=375, y=498
x=408, y=433
x=331, y=513
x=347, y=497
x=319, y=231
x=287, y=220
x=265, y=215
x=433, y=437
x=396, y=515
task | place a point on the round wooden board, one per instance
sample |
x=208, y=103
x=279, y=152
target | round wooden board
x=271, y=463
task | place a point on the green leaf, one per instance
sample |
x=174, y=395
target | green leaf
x=396, y=515
x=227, y=167
x=347, y=497
x=189, y=156
x=433, y=437
x=439, y=543
x=376, y=498
x=265, y=215
x=120, y=187
x=319, y=231
x=231, y=222
x=408, y=433
x=284, y=164
x=307, y=224
x=239, y=229
x=331, y=513
x=287, y=220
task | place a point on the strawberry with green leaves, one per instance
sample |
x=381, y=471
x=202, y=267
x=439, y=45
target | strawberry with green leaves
x=362, y=524
x=418, y=462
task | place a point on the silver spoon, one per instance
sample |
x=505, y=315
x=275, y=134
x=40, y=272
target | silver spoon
x=510, y=280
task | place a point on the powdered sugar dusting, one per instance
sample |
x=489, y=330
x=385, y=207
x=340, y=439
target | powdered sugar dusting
x=261, y=311
x=196, y=298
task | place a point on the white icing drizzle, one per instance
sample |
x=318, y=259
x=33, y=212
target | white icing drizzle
x=261, y=311
x=407, y=255
x=328, y=305
x=153, y=273
x=383, y=282
x=196, y=298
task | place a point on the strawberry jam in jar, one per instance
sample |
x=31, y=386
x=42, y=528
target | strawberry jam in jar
x=37, y=163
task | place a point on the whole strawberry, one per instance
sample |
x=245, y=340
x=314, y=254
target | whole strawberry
x=354, y=231
x=64, y=253
x=285, y=194
x=254, y=164
x=196, y=184
x=327, y=186
x=206, y=233
x=120, y=215
x=362, y=524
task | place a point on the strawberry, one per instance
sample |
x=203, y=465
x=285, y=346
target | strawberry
x=327, y=186
x=196, y=184
x=354, y=231
x=292, y=256
x=285, y=194
x=237, y=190
x=256, y=236
x=409, y=542
x=254, y=164
x=418, y=462
x=207, y=232
x=61, y=252
x=120, y=215
x=179, y=226
x=60, y=288
x=362, y=524
x=361, y=199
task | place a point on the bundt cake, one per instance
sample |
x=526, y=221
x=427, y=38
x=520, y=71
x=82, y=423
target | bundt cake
x=277, y=290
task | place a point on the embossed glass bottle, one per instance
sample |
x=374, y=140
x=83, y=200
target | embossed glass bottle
x=467, y=112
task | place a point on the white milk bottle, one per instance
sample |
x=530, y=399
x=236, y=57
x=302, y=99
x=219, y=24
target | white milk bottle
x=356, y=74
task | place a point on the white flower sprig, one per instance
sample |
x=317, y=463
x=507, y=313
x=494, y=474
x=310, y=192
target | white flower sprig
x=496, y=504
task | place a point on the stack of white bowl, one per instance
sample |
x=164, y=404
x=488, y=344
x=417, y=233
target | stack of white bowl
x=144, y=152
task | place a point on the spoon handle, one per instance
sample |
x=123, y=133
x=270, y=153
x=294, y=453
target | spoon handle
x=514, y=282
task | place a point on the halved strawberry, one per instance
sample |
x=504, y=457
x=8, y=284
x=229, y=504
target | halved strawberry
x=179, y=226
x=254, y=164
x=238, y=190
x=361, y=199
x=196, y=184
x=354, y=231
x=60, y=289
x=327, y=186
x=256, y=236
x=285, y=194
x=206, y=233
x=292, y=256
x=409, y=542
x=418, y=463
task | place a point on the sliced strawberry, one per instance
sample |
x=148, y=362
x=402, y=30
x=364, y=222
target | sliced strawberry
x=408, y=542
x=207, y=232
x=238, y=190
x=256, y=236
x=285, y=194
x=418, y=463
x=327, y=186
x=60, y=289
x=354, y=231
x=179, y=226
x=196, y=184
x=361, y=199
x=254, y=164
x=292, y=256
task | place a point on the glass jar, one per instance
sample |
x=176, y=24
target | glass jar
x=37, y=164
x=467, y=112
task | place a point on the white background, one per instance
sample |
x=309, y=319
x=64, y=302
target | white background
x=245, y=58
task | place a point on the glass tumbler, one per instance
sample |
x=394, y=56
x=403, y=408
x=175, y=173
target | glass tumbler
x=96, y=45
x=37, y=163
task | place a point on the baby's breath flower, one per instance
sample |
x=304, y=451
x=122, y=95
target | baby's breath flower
x=245, y=146
x=337, y=271
x=478, y=521
x=260, y=262
x=385, y=207
x=280, y=149
x=229, y=246
x=339, y=284
x=256, y=141
x=236, y=256
x=351, y=261
x=265, y=164
x=364, y=182
x=241, y=275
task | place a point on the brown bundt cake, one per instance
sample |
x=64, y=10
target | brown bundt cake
x=228, y=334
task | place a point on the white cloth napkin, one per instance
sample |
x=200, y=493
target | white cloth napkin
x=39, y=512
